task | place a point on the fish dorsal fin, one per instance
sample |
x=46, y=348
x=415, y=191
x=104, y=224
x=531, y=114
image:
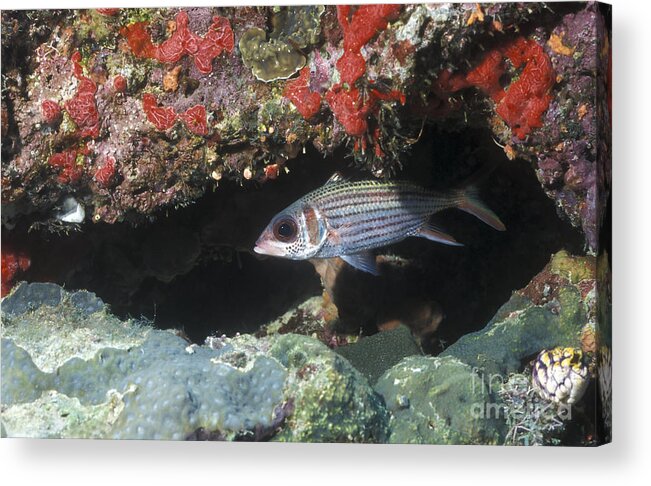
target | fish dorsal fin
x=336, y=177
x=364, y=261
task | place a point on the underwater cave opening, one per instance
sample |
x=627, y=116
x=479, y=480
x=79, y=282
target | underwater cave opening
x=193, y=268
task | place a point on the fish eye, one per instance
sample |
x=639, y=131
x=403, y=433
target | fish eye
x=285, y=230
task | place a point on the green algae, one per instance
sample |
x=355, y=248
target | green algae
x=301, y=25
x=282, y=54
x=271, y=59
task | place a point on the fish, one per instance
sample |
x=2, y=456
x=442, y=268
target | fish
x=349, y=219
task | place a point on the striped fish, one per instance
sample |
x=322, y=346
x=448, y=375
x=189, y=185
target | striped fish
x=349, y=219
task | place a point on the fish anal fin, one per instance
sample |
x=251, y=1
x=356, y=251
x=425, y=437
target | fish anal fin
x=433, y=233
x=364, y=261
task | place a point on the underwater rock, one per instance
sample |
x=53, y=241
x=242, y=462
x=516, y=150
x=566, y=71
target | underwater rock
x=54, y=326
x=551, y=311
x=57, y=416
x=86, y=302
x=22, y=380
x=333, y=401
x=314, y=318
x=573, y=156
x=30, y=296
x=437, y=401
x=92, y=375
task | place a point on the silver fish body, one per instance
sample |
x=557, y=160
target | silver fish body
x=348, y=219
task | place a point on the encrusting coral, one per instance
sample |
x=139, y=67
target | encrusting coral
x=364, y=76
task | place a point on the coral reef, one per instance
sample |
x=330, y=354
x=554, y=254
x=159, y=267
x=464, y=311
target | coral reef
x=80, y=98
x=549, y=312
x=65, y=354
x=333, y=401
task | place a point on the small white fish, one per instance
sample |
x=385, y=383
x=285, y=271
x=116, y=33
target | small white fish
x=71, y=211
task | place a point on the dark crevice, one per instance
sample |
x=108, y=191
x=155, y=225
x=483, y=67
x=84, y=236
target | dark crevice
x=194, y=269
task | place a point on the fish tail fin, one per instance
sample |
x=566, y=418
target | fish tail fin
x=467, y=199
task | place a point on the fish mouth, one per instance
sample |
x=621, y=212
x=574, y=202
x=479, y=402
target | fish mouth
x=264, y=247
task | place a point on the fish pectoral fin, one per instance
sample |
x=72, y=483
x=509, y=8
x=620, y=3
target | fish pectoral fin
x=434, y=233
x=364, y=261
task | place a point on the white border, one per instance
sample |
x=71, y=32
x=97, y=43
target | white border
x=105, y=462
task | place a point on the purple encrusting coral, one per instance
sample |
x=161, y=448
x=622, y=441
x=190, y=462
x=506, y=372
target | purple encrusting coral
x=569, y=154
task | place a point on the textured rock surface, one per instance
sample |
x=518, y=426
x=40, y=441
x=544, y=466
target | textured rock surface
x=549, y=312
x=333, y=401
x=126, y=380
x=54, y=326
x=57, y=416
x=437, y=401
